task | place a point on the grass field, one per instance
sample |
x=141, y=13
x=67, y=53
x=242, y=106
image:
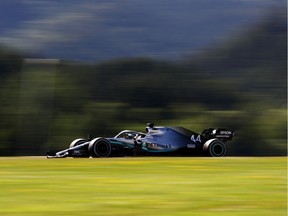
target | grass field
x=143, y=186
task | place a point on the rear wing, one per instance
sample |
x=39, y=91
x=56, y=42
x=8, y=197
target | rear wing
x=219, y=133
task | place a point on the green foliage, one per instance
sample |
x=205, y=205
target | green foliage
x=10, y=62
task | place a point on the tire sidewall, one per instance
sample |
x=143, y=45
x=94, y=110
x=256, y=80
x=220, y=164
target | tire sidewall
x=213, y=146
x=94, y=146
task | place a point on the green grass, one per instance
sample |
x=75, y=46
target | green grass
x=143, y=186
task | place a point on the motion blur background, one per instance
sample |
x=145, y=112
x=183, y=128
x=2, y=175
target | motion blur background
x=72, y=68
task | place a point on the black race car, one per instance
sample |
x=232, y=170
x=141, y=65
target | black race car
x=158, y=140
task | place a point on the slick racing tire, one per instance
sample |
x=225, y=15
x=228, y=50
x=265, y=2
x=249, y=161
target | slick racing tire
x=99, y=147
x=215, y=148
x=77, y=142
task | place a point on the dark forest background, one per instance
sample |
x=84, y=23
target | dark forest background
x=239, y=84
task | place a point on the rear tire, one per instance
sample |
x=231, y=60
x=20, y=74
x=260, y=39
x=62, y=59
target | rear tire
x=99, y=147
x=215, y=148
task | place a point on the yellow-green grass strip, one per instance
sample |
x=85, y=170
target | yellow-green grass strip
x=143, y=186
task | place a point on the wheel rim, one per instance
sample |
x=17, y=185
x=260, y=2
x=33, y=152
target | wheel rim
x=102, y=149
x=218, y=149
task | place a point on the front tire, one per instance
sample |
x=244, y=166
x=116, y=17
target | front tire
x=77, y=142
x=215, y=148
x=99, y=147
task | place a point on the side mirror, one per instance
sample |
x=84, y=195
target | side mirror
x=89, y=137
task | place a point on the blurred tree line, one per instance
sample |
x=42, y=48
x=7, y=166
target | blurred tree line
x=241, y=84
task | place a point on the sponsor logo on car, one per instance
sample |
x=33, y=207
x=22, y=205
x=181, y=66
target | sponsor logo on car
x=225, y=132
x=150, y=145
x=191, y=145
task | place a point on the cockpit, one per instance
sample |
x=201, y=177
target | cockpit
x=128, y=134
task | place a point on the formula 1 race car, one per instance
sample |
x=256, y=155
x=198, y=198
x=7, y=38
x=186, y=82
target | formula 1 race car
x=156, y=141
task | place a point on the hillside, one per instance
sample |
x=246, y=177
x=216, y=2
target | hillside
x=252, y=64
x=255, y=61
